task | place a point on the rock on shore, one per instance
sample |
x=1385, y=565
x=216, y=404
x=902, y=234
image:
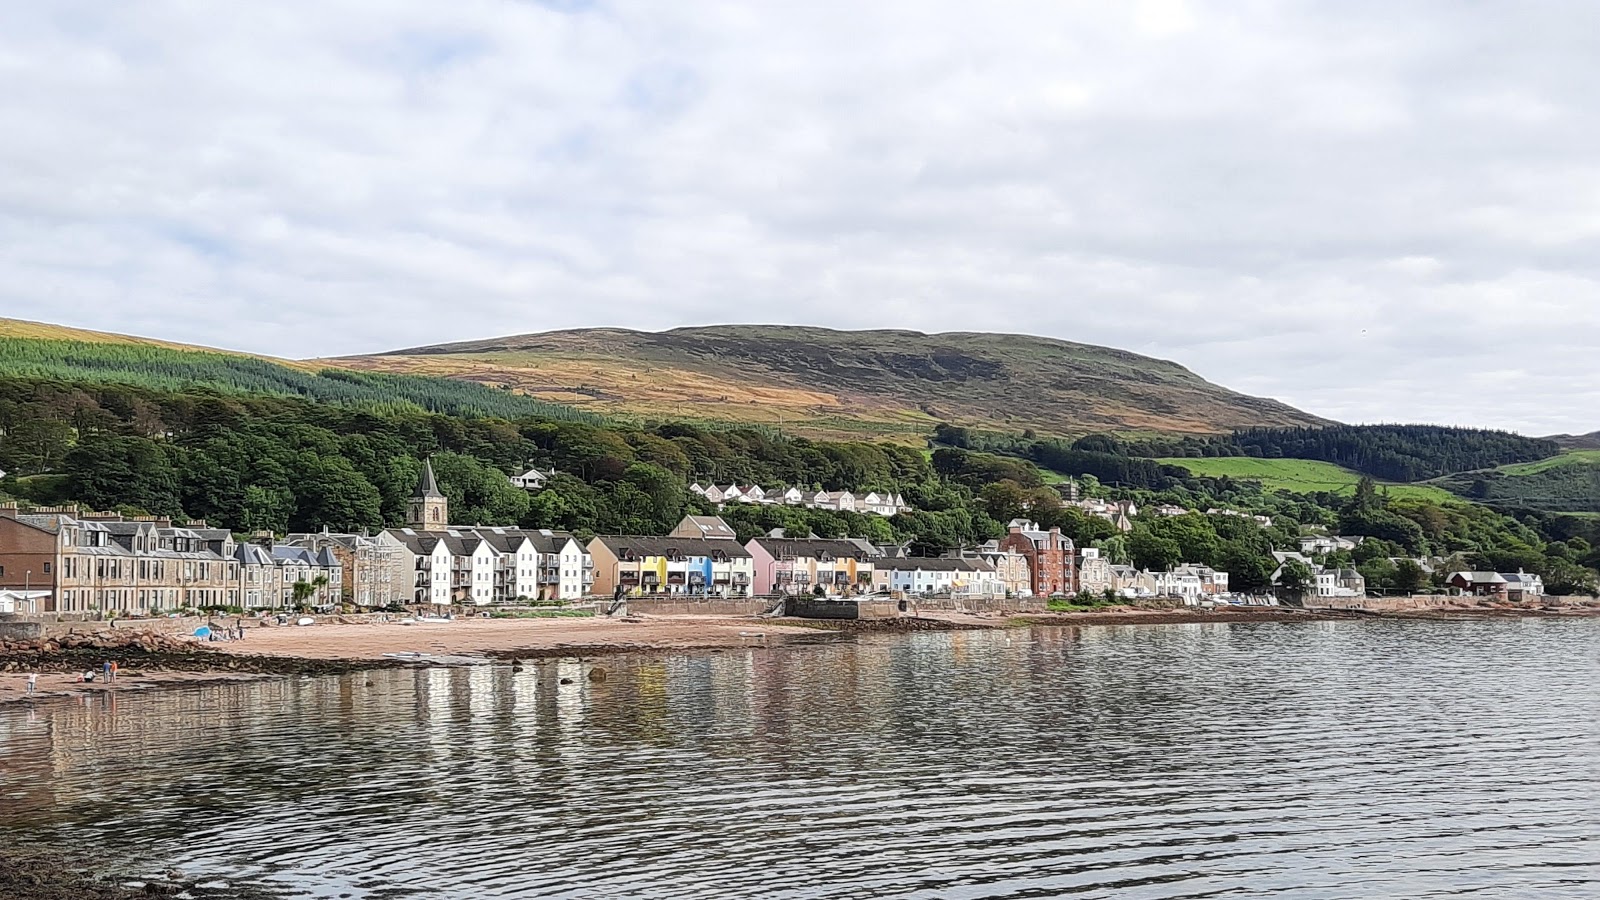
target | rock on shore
x=153, y=651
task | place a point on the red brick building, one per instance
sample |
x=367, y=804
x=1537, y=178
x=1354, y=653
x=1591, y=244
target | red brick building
x=1052, y=558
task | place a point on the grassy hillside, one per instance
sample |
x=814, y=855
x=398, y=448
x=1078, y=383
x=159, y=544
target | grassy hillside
x=1301, y=476
x=849, y=383
x=1566, y=483
x=155, y=364
x=43, y=331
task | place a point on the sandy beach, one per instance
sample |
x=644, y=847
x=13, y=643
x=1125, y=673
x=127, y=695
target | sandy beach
x=498, y=637
x=335, y=647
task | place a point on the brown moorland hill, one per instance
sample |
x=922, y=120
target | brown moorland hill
x=826, y=382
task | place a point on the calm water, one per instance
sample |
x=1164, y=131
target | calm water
x=1296, y=760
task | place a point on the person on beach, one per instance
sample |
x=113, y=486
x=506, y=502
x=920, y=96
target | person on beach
x=105, y=670
x=33, y=682
x=113, y=670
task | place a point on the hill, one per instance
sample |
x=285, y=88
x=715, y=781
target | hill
x=49, y=353
x=1566, y=483
x=1300, y=476
x=1589, y=441
x=22, y=329
x=824, y=382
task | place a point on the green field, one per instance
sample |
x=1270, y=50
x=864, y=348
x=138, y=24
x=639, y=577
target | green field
x=1301, y=476
x=1565, y=460
x=1569, y=483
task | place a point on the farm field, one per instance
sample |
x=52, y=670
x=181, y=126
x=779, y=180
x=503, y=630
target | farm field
x=1566, y=460
x=1301, y=476
x=1569, y=483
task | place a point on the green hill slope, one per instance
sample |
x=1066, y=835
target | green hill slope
x=1300, y=476
x=29, y=350
x=1566, y=483
x=825, y=382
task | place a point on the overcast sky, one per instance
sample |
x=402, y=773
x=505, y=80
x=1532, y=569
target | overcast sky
x=1374, y=211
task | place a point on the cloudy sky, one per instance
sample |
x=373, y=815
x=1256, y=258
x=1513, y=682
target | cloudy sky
x=1374, y=211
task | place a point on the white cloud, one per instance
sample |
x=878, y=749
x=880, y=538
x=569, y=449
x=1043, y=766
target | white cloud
x=1376, y=212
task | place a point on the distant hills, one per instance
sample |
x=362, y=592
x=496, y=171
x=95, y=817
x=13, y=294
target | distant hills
x=1577, y=441
x=831, y=383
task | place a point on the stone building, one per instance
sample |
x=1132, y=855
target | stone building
x=1052, y=560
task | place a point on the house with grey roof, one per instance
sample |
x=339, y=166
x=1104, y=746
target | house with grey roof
x=674, y=565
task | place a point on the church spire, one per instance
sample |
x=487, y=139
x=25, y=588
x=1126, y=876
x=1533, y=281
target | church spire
x=427, y=487
x=428, y=509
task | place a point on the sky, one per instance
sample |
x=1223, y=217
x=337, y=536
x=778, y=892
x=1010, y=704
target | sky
x=1377, y=212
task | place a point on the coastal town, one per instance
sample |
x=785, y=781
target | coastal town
x=63, y=561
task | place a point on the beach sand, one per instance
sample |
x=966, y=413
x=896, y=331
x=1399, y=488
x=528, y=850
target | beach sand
x=498, y=637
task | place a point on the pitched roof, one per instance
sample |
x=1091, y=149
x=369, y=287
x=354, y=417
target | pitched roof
x=933, y=564
x=427, y=485
x=711, y=526
x=812, y=548
x=417, y=542
x=666, y=545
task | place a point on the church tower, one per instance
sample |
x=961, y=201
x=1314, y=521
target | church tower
x=429, y=510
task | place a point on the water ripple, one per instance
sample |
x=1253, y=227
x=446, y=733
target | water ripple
x=1327, y=760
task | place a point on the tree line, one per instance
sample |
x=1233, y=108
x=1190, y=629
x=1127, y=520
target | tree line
x=279, y=463
x=151, y=366
x=1401, y=453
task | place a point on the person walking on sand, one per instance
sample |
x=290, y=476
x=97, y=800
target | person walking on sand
x=33, y=682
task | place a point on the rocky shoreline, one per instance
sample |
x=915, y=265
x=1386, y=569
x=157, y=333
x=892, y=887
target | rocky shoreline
x=38, y=873
x=148, y=659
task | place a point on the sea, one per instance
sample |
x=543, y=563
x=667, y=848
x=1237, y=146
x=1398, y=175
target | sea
x=1365, y=759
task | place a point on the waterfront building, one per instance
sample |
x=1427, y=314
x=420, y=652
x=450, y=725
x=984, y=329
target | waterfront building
x=373, y=572
x=1498, y=585
x=646, y=565
x=1052, y=560
x=1011, y=567
x=795, y=566
x=1094, y=572
x=941, y=575
x=105, y=563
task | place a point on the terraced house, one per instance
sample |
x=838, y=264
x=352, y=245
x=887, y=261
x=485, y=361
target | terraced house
x=107, y=563
x=443, y=564
x=943, y=575
x=646, y=565
x=798, y=566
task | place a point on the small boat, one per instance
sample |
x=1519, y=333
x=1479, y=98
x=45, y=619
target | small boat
x=306, y=620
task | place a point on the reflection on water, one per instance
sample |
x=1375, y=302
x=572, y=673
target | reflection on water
x=1327, y=760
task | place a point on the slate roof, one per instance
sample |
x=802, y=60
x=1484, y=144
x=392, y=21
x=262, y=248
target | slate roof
x=933, y=564
x=658, y=545
x=812, y=548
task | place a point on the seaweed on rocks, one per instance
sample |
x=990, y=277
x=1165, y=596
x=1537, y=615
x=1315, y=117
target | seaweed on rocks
x=40, y=873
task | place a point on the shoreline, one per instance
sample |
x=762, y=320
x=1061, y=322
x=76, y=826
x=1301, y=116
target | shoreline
x=34, y=872
x=336, y=649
